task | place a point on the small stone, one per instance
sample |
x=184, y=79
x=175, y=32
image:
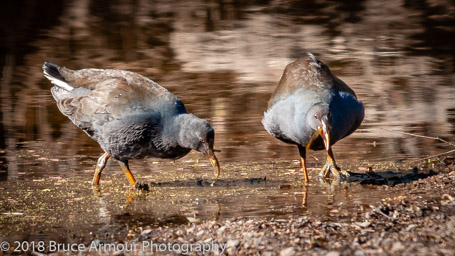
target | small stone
x=397, y=246
x=200, y=233
x=146, y=232
x=364, y=224
x=333, y=253
x=232, y=243
x=287, y=251
x=221, y=230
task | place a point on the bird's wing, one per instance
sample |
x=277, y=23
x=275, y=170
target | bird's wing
x=91, y=78
x=310, y=74
x=292, y=79
x=94, y=96
x=347, y=114
x=115, y=97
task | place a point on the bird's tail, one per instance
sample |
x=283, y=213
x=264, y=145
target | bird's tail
x=52, y=72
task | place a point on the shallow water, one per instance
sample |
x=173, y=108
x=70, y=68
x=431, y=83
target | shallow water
x=223, y=60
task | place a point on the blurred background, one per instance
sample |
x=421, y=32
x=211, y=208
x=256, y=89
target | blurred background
x=223, y=59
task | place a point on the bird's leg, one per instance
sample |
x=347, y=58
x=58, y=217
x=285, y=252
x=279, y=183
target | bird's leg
x=102, y=161
x=126, y=169
x=302, y=152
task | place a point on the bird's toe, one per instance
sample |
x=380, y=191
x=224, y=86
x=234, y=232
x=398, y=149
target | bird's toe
x=141, y=186
x=342, y=174
x=347, y=174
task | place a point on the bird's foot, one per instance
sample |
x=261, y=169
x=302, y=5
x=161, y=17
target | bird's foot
x=96, y=190
x=333, y=169
x=141, y=186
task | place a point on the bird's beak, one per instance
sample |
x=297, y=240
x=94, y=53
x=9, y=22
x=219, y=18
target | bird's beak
x=213, y=160
x=324, y=131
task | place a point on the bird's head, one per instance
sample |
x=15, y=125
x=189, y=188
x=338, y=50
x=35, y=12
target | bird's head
x=200, y=136
x=319, y=119
x=205, y=139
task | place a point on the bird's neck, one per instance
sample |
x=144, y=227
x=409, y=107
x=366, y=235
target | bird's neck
x=176, y=130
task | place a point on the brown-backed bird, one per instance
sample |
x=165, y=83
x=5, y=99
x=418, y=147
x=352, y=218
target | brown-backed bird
x=313, y=109
x=129, y=115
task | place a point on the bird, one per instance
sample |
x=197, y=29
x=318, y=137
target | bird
x=313, y=109
x=130, y=116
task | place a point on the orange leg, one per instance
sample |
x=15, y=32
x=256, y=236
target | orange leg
x=126, y=170
x=305, y=172
x=102, y=161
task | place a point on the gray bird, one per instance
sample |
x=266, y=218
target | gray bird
x=129, y=115
x=313, y=109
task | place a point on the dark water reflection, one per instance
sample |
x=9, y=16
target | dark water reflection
x=223, y=59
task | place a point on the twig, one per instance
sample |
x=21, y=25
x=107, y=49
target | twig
x=426, y=137
x=429, y=157
x=421, y=136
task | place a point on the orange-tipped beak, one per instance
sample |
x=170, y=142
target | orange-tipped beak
x=325, y=135
x=325, y=138
x=214, y=161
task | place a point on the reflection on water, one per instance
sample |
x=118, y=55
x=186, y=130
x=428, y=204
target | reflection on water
x=223, y=59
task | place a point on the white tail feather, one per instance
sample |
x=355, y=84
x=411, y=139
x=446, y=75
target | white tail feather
x=58, y=82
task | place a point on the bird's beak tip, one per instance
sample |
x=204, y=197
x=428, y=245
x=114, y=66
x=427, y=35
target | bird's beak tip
x=214, y=162
x=327, y=140
x=325, y=137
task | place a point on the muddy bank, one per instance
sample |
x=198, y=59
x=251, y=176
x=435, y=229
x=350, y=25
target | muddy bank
x=422, y=222
x=379, y=211
x=416, y=216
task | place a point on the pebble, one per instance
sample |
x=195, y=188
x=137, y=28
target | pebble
x=232, y=243
x=397, y=246
x=221, y=230
x=333, y=253
x=146, y=232
x=287, y=252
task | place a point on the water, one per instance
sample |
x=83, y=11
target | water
x=223, y=60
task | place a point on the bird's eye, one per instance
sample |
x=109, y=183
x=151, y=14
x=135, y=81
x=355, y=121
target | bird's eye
x=315, y=116
x=202, y=140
